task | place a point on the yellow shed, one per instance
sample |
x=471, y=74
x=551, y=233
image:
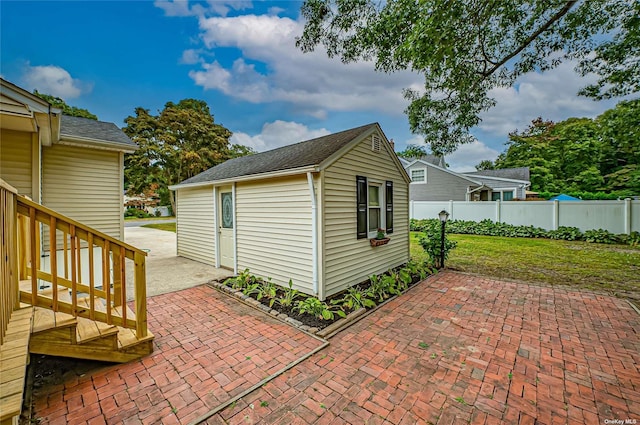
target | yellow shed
x=305, y=212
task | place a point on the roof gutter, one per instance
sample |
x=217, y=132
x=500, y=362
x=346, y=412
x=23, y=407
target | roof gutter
x=281, y=173
x=95, y=143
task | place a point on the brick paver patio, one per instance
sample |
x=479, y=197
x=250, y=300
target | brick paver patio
x=456, y=349
x=461, y=349
x=208, y=348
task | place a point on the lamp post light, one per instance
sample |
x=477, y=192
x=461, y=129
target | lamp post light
x=443, y=216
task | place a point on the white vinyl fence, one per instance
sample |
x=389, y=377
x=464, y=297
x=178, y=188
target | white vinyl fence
x=615, y=216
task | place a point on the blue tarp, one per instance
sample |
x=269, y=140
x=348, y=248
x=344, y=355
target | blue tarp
x=563, y=197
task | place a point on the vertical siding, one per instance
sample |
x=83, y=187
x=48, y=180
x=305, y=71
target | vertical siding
x=347, y=260
x=273, y=219
x=84, y=184
x=440, y=186
x=15, y=160
x=195, y=224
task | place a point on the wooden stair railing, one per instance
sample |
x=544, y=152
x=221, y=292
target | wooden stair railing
x=81, y=260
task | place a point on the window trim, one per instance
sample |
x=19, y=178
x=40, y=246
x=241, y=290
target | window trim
x=385, y=191
x=501, y=191
x=382, y=207
x=418, y=181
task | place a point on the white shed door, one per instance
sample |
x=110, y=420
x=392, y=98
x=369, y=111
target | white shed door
x=225, y=220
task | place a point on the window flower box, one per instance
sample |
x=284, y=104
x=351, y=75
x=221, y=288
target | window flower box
x=377, y=242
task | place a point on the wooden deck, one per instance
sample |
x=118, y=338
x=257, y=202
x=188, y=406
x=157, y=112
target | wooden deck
x=56, y=302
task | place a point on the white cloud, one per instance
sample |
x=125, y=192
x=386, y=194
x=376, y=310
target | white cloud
x=214, y=7
x=190, y=57
x=54, y=80
x=551, y=95
x=276, y=134
x=469, y=155
x=312, y=82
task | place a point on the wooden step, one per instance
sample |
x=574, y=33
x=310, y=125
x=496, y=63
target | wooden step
x=14, y=357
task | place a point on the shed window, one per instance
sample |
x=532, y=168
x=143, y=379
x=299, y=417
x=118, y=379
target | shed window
x=375, y=204
x=374, y=207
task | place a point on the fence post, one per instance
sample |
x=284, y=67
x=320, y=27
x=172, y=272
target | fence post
x=627, y=216
x=498, y=210
x=556, y=215
x=451, y=217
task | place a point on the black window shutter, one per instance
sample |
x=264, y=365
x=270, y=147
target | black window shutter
x=389, y=203
x=361, y=206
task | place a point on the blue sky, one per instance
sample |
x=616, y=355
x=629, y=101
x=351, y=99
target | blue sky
x=111, y=57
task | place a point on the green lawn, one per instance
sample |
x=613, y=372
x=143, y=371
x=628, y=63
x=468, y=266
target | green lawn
x=614, y=268
x=170, y=227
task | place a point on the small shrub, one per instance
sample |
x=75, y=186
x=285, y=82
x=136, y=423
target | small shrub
x=158, y=213
x=317, y=308
x=632, y=239
x=354, y=299
x=431, y=242
x=566, y=233
x=290, y=295
x=267, y=290
x=600, y=236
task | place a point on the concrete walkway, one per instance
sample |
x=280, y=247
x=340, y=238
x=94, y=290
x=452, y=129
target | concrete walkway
x=167, y=272
x=455, y=349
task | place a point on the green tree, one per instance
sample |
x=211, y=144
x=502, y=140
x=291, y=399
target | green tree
x=580, y=154
x=466, y=48
x=485, y=164
x=180, y=142
x=66, y=109
x=413, y=151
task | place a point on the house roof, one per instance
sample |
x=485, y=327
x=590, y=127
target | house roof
x=431, y=159
x=446, y=170
x=303, y=154
x=520, y=173
x=88, y=130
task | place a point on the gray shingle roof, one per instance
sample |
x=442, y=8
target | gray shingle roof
x=302, y=154
x=92, y=129
x=520, y=173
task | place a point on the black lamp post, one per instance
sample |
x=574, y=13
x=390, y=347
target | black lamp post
x=443, y=216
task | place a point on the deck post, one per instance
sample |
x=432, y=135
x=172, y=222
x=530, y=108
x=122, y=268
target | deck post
x=140, y=294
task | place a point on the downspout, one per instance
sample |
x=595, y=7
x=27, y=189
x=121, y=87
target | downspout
x=314, y=232
x=235, y=230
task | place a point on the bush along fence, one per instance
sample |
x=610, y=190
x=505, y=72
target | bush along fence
x=491, y=228
x=618, y=216
x=311, y=314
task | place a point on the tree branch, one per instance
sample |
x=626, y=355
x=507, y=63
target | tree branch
x=532, y=37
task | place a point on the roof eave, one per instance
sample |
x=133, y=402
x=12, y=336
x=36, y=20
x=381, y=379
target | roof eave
x=248, y=177
x=88, y=142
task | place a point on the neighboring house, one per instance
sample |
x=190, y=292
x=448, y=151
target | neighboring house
x=72, y=165
x=506, y=184
x=303, y=212
x=432, y=181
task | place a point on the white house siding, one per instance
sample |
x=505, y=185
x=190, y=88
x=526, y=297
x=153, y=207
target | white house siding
x=15, y=160
x=440, y=185
x=85, y=185
x=348, y=260
x=274, y=228
x=195, y=224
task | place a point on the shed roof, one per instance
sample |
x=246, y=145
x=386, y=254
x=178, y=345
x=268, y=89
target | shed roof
x=303, y=154
x=84, y=128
